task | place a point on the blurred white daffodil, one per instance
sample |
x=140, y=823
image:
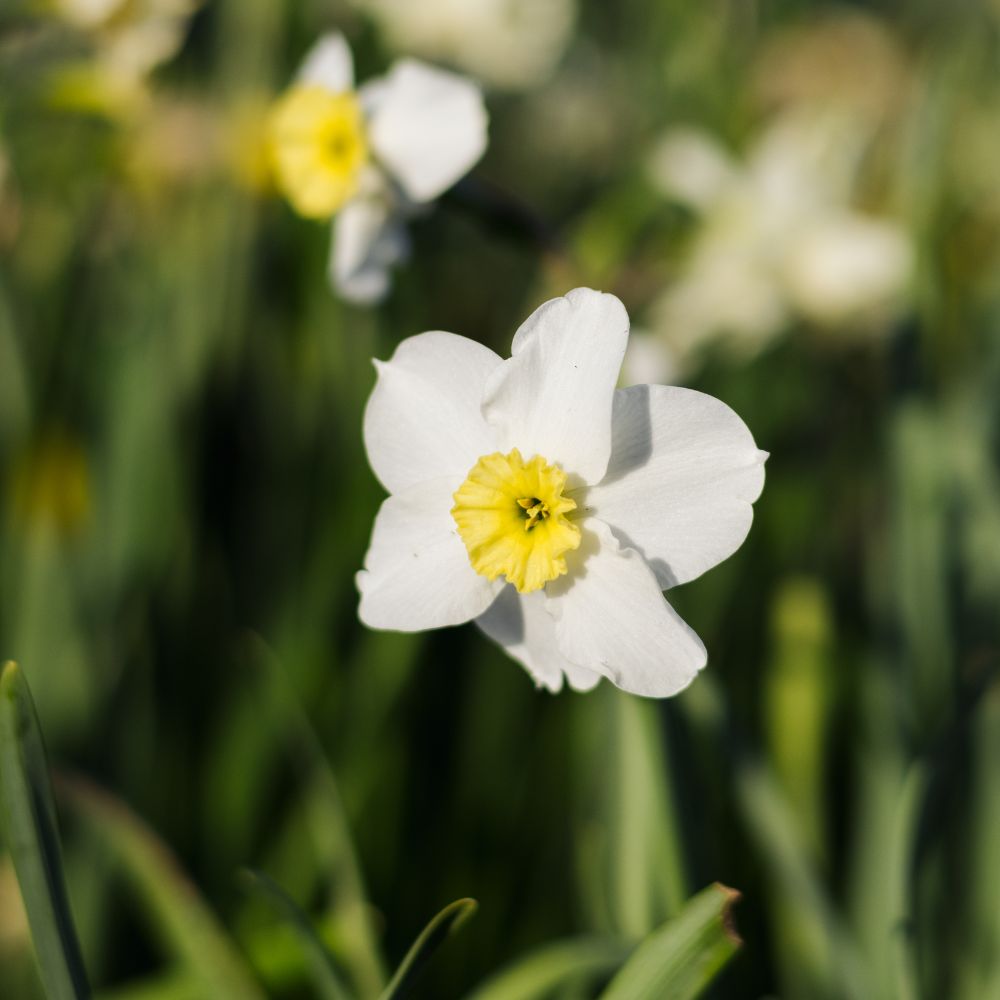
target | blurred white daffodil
x=371, y=157
x=130, y=38
x=512, y=44
x=779, y=236
x=531, y=496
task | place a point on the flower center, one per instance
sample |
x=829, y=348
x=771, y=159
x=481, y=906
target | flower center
x=511, y=514
x=319, y=148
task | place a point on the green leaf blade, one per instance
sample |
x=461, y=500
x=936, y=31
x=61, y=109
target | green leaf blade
x=575, y=962
x=324, y=974
x=178, y=915
x=681, y=958
x=449, y=920
x=31, y=835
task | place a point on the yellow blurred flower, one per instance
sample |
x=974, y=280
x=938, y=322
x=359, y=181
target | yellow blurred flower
x=50, y=485
x=320, y=149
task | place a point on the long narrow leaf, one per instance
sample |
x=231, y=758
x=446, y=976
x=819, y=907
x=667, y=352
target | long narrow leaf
x=171, y=985
x=433, y=936
x=979, y=974
x=186, y=926
x=575, y=962
x=324, y=974
x=323, y=811
x=648, y=871
x=29, y=822
x=681, y=958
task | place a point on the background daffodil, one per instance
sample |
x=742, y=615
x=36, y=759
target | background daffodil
x=779, y=237
x=126, y=41
x=532, y=496
x=371, y=157
x=510, y=44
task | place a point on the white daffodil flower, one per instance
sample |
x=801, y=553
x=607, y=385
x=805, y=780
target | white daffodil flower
x=370, y=157
x=513, y=44
x=779, y=237
x=130, y=39
x=531, y=496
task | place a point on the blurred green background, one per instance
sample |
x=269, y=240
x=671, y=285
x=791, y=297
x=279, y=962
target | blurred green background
x=185, y=496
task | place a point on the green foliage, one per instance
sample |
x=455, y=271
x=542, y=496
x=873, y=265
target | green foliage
x=577, y=962
x=185, y=499
x=187, y=930
x=32, y=838
x=683, y=957
x=322, y=969
x=444, y=924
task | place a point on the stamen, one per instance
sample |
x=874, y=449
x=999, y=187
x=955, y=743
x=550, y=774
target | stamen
x=511, y=515
x=535, y=510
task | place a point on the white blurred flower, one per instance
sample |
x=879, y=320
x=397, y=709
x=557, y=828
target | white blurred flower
x=778, y=236
x=372, y=156
x=531, y=496
x=130, y=38
x=648, y=360
x=846, y=265
x=514, y=44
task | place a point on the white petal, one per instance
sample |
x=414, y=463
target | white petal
x=684, y=472
x=87, y=13
x=612, y=619
x=580, y=678
x=553, y=397
x=728, y=294
x=417, y=573
x=692, y=167
x=848, y=264
x=371, y=94
x=510, y=43
x=524, y=627
x=422, y=420
x=428, y=127
x=328, y=64
x=368, y=239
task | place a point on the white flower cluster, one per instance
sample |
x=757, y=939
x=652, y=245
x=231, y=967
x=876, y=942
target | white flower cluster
x=779, y=236
x=526, y=494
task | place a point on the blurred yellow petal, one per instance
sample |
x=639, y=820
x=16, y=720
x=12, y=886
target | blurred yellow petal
x=319, y=149
x=50, y=485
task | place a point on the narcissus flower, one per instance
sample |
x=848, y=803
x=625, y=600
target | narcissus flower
x=128, y=40
x=780, y=237
x=513, y=44
x=370, y=157
x=531, y=496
